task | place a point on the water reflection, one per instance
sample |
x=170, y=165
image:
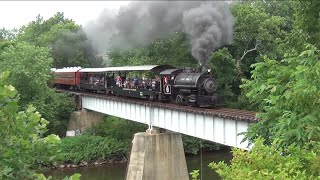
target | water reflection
x=102, y=172
x=118, y=171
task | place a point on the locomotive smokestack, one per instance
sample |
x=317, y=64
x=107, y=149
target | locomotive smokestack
x=204, y=68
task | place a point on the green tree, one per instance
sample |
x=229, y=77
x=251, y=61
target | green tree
x=258, y=31
x=224, y=70
x=271, y=162
x=307, y=19
x=67, y=41
x=30, y=73
x=8, y=34
x=57, y=107
x=5, y=43
x=30, y=69
x=287, y=94
x=36, y=31
x=23, y=148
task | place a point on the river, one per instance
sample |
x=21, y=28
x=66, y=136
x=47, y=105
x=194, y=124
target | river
x=118, y=171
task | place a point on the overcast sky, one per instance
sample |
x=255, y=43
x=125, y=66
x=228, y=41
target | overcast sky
x=18, y=13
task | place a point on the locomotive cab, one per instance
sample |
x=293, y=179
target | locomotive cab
x=167, y=78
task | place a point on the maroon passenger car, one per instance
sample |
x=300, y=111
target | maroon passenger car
x=67, y=78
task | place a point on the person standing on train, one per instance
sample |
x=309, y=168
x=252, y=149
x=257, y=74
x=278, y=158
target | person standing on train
x=166, y=80
x=136, y=81
x=119, y=81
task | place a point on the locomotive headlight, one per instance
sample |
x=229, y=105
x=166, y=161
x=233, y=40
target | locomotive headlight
x=209, y=70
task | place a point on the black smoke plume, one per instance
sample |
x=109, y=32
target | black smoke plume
x=209, y=25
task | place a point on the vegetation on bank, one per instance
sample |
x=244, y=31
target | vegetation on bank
x=271, y=162
x=75, y=150
x=269, y=50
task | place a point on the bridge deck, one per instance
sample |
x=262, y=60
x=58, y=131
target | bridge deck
x=235, y=114
x=218, y=125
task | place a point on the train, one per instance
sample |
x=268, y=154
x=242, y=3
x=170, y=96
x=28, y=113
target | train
x=163, y=83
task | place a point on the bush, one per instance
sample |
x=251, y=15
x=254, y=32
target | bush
x=91, y=148
x=271, y=162
x=23, y=146
x=287, y=93
x=57, y=107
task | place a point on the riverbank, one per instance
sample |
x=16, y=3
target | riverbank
x=88, y=164
x=115, y=171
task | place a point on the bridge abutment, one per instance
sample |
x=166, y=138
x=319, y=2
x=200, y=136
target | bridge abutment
x=157, y=156
x=82, y=120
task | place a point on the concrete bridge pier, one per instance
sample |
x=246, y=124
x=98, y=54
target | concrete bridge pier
x=157, y=156
x=82, y=120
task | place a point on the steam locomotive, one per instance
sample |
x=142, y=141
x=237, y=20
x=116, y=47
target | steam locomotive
x=165, y=83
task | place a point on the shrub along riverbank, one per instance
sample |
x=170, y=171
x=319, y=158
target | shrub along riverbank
x=91, y=149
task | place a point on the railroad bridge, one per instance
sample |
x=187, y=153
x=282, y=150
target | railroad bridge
x=216, y=125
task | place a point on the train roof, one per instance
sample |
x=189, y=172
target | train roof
x=68, y=69
x=128, y=68
x=169, y=71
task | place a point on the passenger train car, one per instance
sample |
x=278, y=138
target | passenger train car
x=162, y=83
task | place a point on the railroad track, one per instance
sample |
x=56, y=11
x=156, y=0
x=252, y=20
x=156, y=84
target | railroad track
x=235, y=114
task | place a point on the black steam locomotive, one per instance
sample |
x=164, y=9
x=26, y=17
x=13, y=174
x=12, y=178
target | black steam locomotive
x=165, y=83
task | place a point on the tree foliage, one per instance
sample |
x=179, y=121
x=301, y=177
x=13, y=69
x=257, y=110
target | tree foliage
x=30, y=69
x=284, y=89
x=23, y=147
x=67, y=41
x=307, y=19
x=57, y=107
x=288, y=94
x=6, y=34
x=224, y=70
x=259, y=28
x=271, y=162
x=30, y=73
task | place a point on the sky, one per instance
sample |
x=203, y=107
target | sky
x=14, y=14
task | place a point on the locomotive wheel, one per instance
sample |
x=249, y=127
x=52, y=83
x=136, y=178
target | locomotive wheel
x=172, y=100
x=179, y=99
x=150, y=98
x=192, y=104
